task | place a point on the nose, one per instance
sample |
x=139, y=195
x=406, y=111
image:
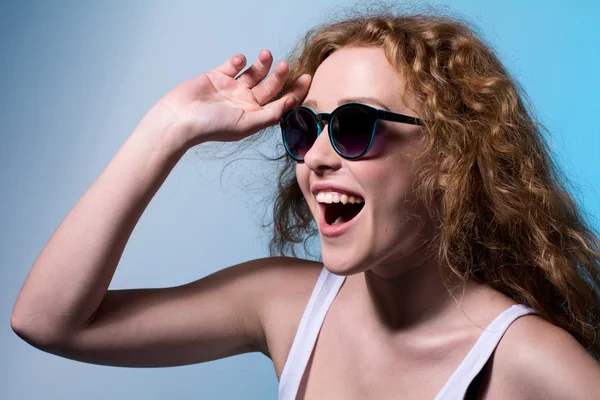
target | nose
x=322, y=156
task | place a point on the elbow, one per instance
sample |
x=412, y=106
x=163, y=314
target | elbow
x=34, y=334
x=21, y=330
x=25, y=331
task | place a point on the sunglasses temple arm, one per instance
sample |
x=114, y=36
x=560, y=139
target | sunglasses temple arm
x=390, y=116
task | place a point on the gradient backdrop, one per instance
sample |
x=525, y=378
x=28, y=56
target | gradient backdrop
x=75, y=79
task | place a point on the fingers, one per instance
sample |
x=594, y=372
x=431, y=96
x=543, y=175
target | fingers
x=233, y=66
x=296, y=93
x=254, y=77
x=272, y=112
x=265, y=90
x=257, y=72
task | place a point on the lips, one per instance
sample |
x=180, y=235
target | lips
x=337, y=214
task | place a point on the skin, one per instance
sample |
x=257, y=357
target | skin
x=413, y=333
x=385, y=253
x=394, y=291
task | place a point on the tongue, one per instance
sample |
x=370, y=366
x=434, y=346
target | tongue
x=339, y=220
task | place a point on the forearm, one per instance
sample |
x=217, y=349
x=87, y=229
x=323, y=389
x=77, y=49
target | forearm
x=73, y=271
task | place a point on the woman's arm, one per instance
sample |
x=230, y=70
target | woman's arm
x=64, y=306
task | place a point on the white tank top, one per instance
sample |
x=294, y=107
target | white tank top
x=322, y=296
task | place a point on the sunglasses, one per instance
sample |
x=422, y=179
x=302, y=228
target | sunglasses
x=352, y=129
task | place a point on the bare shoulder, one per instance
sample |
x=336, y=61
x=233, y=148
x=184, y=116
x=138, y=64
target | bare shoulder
x=286, y=275
x=536, y=359
x=274, y=280
x=287, y=284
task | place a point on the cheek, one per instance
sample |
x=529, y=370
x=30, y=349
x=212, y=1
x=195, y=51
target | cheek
x=379, y=142
x=391, y=185
x=302, y=177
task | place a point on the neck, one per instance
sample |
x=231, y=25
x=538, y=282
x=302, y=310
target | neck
x=403, y=297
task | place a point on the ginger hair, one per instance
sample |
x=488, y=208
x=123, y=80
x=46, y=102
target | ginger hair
x=486, y=175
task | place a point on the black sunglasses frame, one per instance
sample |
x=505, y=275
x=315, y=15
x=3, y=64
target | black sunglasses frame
x=325, y=118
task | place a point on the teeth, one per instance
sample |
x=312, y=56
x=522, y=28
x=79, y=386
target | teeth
x=334, y=197
x=339, y=220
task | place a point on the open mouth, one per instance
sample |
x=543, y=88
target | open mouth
x=338, y=213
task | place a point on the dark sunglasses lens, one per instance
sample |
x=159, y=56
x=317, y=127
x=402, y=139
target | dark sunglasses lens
x=352, y=129
x=300, y=132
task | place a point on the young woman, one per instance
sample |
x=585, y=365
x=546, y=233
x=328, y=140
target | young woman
x=455, y=264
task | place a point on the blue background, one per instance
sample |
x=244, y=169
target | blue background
x=76, y=78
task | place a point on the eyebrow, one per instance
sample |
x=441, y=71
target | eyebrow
x=372, y=100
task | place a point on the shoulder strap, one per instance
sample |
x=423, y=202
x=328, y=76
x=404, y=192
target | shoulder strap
x=457, y=385
x=320, y=300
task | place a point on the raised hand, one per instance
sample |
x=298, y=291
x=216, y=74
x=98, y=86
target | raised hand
x=65, y=306
x=217, y=106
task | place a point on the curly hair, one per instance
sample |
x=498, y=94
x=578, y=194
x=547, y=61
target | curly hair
x=486, y=174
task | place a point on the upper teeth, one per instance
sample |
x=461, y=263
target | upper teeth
x=334, y=197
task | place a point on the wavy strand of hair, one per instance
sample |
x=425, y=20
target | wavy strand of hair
x=505, y=215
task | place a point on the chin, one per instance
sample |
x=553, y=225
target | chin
x=345, y=264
